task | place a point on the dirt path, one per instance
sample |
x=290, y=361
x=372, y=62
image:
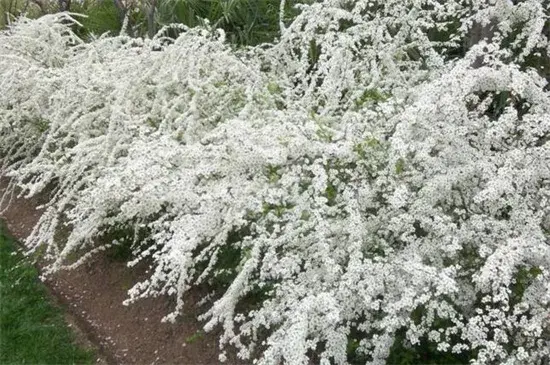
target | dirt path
x=93, y=296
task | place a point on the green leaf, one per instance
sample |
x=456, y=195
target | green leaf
x=195, y=337
x=371, y=95
x=400, y=166
x=273, y=88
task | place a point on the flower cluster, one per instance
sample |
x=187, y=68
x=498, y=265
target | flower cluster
x=378, y=177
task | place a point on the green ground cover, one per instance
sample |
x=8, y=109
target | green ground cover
x=32, y=329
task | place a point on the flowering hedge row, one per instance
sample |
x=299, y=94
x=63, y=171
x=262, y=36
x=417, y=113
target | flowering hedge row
x=378, y=178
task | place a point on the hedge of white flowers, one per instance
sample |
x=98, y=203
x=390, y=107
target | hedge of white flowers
x=372, y=180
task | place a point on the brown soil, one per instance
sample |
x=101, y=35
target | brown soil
x=93, y=294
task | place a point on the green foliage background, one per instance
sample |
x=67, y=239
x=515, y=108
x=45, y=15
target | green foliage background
x=246, y=22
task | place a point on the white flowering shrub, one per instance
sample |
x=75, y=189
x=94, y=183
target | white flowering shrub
x=374, y=185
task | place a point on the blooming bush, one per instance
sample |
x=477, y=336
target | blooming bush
x=375, y=181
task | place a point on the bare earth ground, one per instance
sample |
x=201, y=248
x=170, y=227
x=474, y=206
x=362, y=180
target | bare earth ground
x=93, y=294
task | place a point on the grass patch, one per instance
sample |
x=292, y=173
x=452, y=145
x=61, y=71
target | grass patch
x=32, y=330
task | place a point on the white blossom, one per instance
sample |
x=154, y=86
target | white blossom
x=369, y=177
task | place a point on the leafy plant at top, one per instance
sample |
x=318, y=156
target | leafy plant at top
x=101, y=17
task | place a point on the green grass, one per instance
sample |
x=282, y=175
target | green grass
x=32, y=330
